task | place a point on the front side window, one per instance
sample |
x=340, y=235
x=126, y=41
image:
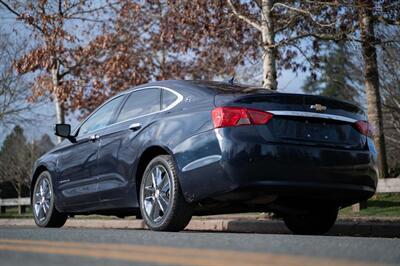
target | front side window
x=140, y=103
x=101, y=117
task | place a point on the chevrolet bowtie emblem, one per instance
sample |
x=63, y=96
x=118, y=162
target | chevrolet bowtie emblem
x=318, y=107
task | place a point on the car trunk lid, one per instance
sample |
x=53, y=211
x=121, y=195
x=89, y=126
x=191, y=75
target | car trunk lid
x=304, y=119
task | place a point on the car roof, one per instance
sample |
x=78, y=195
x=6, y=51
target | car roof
x=212, y=87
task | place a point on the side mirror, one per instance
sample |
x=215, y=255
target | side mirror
x=64, y=131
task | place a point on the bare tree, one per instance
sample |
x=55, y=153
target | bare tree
x=14, y=90
x=283, y=24
x=56, y=27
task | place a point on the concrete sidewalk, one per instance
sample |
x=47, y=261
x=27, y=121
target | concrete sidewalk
x=357, y=227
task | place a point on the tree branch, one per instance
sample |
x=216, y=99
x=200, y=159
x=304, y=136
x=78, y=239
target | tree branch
x=304, y=55
x=304, y=12
x=19, y=15
x=393, y=139
x=387, y=20
x=243, y=17
x=291, y=22
x=60, y=11
x=88, y=11
x=324, y=37
x=9, y=8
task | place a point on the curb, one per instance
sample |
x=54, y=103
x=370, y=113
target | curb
x=341, y=228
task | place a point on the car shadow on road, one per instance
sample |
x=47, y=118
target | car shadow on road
x=341, y=228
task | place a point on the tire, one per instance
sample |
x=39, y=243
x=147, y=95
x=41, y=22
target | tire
x=43, y=203
x=313, y=223
x=162, y=204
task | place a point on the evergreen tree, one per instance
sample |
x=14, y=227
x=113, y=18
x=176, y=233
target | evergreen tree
x=17, y=157
x=15, y=160
x=339, y=76
x=43, y=145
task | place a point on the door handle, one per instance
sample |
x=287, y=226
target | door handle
x=94, y=137
x=135, y=126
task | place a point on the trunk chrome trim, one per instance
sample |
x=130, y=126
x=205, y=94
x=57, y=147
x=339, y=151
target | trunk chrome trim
x=315, y=115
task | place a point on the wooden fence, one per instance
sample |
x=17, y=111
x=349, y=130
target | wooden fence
x=388, y=185
x=21, y=203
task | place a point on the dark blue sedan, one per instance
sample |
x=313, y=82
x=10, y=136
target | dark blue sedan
x=172, y=149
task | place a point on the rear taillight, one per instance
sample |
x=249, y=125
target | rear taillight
x=238, y=116
x=364, y=128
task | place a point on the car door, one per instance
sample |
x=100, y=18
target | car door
x=117, y=149
x=78, y=162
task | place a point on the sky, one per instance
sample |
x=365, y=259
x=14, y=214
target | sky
x=287, y=82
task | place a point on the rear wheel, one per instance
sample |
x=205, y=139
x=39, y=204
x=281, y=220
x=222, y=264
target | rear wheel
x=162, y=204
x=312, y=223
x=43, y=203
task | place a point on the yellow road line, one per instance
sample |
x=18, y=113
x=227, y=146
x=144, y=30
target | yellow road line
x=161, y=255
x=183, y=252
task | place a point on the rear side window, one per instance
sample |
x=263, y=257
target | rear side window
x=140, y=103
x=168, y=98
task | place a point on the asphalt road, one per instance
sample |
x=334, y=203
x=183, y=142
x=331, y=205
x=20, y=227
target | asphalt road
x=35, y=246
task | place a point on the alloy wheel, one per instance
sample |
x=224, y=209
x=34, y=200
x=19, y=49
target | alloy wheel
x=156, y=194
x=42, y=199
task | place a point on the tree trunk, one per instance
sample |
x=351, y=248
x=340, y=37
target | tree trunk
x=372, y=84
x=60, y=115
x=59, y=110
x=268, y=41
x=19, y=199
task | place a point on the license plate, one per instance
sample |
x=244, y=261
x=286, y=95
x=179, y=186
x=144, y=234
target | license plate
x=316, y=131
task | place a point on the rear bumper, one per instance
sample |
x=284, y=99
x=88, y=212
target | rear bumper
x=237, y=160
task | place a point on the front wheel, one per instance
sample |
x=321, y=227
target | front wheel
x=312, y=223
x=43, y=205
x=162, y=204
